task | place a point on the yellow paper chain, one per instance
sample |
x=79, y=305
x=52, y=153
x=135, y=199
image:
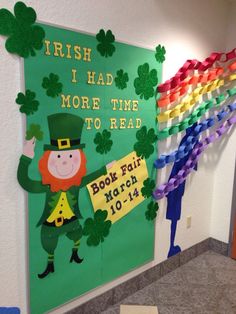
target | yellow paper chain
x=193, y=98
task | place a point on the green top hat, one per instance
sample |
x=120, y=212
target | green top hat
x=65, y=132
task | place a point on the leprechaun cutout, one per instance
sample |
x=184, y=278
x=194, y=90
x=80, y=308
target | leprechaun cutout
x=63, y=171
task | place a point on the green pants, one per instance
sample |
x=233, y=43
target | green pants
x=50, y=235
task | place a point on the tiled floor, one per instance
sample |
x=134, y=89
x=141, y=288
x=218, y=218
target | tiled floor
x=205, y=285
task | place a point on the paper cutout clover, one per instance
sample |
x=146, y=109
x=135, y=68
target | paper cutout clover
x=151, y=212
x=103, y=141
x=23, y=37
x=144, y=147
x=97, y=228
x=105, y=47
x=34, y=131
x=148, y=187
x=52, y=85
x=160, y=54
x=144, y=84
x=29, y=105
x=121, y=79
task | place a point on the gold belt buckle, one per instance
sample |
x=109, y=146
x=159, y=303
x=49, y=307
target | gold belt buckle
x=59, y=221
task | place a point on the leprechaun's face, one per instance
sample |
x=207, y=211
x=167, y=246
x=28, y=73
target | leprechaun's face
x=64, y=164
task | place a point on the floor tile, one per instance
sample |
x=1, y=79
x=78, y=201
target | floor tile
x=204, y=285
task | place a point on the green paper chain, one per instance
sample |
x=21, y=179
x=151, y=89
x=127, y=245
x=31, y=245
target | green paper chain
x=195, y=115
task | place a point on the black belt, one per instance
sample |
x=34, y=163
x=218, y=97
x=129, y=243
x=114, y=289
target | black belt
x=65, y=222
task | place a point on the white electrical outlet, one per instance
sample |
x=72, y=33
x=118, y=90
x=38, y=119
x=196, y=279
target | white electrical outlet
x=189, y=222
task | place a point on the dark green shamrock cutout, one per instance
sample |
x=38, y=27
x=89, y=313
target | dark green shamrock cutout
x=148, y=187
x=151, y=212
x=106, y=47
x=27, y=102
x=97, y=228
x=121, y=79
x=52, y=85
x=34, y=131
x=103, y=141
x=144, y=147
x=160, y=54
x=23, y=37
x=144, y=84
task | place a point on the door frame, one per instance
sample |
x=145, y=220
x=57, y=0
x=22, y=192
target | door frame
x=233, y=214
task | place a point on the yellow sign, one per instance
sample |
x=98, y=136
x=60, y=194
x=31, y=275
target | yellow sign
x=119, y=191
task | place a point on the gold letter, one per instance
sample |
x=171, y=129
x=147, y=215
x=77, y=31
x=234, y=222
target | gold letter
x=109, y=79
x=100, y=80
x=77, y=52
x=88, y=121
x=47, y=43
x=87, y=54
x=121, y=104
x=68, y=56
x=91, y=76
x=74, y=72
x=130, y=125
x=113, y=123
x=85, y=101
x=127, y=105
x=96, y=103
x=58, y=48
x=135, y=105
x=114, y=101
x=76, y=98
x=122, y=123
x=64, y=100
x=138, y=123
x=97, y=123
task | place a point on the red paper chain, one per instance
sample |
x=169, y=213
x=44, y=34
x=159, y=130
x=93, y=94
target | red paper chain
x=195, y=65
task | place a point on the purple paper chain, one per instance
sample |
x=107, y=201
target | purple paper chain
x=164, y=189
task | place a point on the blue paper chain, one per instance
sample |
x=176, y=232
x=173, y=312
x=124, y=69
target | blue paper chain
x=192, y=139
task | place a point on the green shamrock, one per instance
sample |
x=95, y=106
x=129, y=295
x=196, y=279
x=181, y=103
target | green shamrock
x=34, y=131
x=145, y=82
x=148, y=187
x=160, y=54
x=27, y=102
x=151, y=213
x=97, y=228
x=103, y=142
x=106, y=47
x=52, y=85
x=23, y=37
x=121, y=79
x=144, y=147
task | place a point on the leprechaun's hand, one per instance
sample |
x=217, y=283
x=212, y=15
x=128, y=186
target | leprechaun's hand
x=28, y=149
x=110, y=165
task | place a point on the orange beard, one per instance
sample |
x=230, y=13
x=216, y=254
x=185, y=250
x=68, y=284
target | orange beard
x=60, y=184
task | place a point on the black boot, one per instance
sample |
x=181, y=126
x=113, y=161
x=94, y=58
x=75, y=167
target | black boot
x=49, y=269
x=75, y=257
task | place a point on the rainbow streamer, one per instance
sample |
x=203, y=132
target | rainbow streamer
x=216, y=73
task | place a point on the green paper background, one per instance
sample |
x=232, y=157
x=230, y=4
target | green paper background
x=131, y=240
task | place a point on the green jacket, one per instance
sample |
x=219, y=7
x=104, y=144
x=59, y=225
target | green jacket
x=33, y=186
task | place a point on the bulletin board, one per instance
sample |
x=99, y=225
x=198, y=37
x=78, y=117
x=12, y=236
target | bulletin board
x=112, y=87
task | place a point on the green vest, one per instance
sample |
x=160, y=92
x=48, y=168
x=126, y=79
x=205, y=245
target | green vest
x=33, y=186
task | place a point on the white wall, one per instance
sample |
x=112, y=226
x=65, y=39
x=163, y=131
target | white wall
x=224, y=168
x=188, y=29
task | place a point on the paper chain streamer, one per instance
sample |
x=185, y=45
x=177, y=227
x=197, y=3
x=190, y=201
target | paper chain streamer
x=192, y=139
x=195, y=115
x=193, y=98
x=195, y=65
x=213, y=74
x=181, y=176
x=182, y=89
